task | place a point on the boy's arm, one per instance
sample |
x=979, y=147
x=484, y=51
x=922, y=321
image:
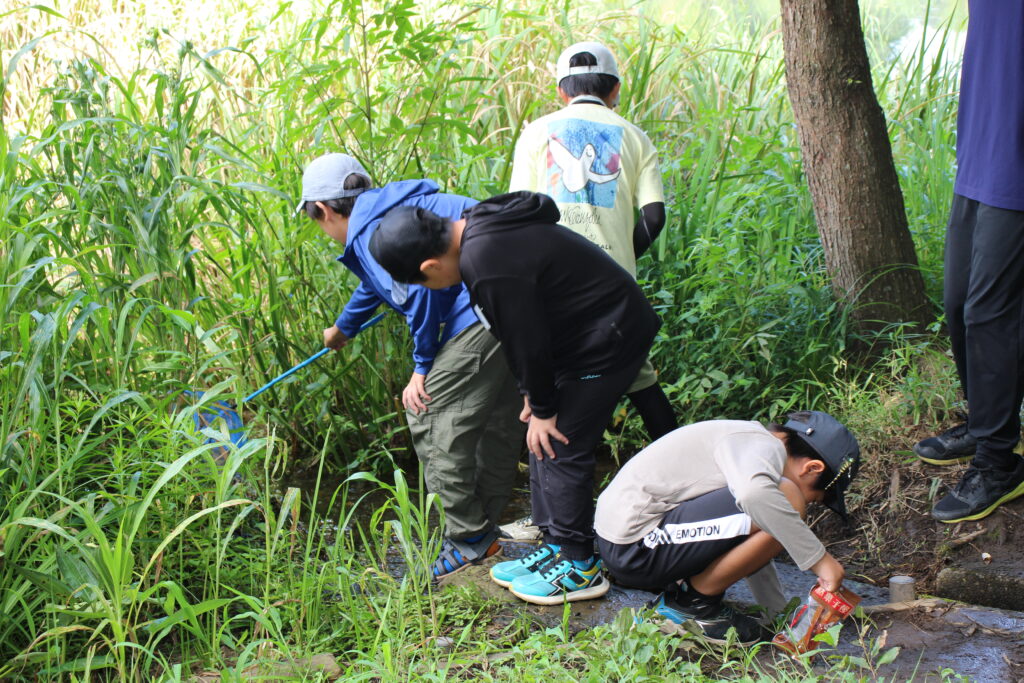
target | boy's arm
x=745, y=460
x=361, y=305
x=424, y=310
x=513, y=308
x=649, y=195
x=524, y=166
x=648, y=227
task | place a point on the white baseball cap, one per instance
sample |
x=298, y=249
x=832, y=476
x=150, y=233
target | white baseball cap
x=324, y=178
x=605, y=61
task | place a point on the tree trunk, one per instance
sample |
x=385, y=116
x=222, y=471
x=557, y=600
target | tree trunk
x=858, y=204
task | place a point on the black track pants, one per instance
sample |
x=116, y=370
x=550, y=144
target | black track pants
x=984, y=297
x=655, y=410
x=686, y=541
x=562, y=489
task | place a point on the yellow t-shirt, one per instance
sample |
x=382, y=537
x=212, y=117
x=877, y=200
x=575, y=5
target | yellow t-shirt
x=597, y=166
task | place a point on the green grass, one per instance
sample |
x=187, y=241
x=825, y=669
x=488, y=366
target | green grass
x=148, y=246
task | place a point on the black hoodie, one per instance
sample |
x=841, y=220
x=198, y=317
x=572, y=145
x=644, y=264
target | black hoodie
x=561, y=308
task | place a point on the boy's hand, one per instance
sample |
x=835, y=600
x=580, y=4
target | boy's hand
x=334, y=338
x=527, y=411
x=415, y=393
x=830, y=573
x=539, y=435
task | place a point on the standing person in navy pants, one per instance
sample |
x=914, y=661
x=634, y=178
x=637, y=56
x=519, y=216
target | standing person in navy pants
x=984, y=267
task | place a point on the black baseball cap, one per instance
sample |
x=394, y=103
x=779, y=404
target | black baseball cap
x=830, y=439
x=405, y=237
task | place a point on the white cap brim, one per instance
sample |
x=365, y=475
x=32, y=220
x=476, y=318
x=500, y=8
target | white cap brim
x=605, y=61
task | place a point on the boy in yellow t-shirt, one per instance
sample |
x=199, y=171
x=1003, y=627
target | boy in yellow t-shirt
x=599, y=168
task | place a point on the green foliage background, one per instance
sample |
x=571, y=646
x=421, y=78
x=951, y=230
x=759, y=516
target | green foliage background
x=147, y=183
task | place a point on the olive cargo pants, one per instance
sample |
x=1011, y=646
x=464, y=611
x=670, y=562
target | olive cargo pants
x=470, y=438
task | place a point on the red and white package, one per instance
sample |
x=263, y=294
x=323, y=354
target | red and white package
x=822, y=609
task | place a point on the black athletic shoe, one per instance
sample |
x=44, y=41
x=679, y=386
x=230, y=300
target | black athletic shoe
x=948, y=448
x=709, y=618
x=979, y=492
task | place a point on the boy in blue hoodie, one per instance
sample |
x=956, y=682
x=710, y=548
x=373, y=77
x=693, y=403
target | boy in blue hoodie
x=462, y=402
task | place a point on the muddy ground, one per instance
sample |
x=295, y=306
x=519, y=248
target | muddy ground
x=978, y=644
x=890, y=532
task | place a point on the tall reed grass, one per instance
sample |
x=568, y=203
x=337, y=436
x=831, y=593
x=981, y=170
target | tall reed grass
x=148, y=246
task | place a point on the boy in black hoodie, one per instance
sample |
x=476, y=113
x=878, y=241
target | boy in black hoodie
x=575, y=328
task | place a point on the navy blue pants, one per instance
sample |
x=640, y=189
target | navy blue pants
x=984, y=297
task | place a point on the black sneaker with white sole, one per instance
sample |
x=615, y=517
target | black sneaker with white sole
x=707, y=617
x=948, y=448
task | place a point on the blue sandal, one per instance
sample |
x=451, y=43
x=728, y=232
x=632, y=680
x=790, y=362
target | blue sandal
x=457, y=555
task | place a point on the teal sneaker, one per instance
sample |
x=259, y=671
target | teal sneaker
x=560, y=581
x=503, y=573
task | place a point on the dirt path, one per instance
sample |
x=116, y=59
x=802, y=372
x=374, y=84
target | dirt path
x=891, y=530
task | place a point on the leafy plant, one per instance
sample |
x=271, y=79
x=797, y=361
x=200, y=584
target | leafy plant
x=148, y=246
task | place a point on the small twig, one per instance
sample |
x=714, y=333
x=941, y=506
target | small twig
x=1011, y=512
x=904, y=606
x=821, y=516
x=894, y=488
x=965, y=539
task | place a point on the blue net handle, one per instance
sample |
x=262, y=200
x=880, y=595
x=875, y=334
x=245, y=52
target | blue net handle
x=312, y=359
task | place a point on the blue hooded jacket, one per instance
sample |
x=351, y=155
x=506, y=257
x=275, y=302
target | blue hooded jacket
x=434, y=316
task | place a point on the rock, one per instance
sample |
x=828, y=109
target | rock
x=324, y=665
x=443, y=642
x=981, y=587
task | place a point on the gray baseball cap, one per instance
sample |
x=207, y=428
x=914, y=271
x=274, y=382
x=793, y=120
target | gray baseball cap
x=605, y=61
x=324, y=178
